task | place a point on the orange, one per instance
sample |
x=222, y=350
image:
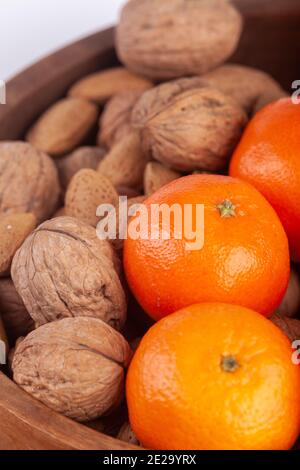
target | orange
x=268, y=156
x=244, y=260
x=214, y=377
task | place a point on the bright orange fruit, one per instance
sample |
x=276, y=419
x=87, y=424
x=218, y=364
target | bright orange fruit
x=214, y=377
x=244, y=260
x=268, y=156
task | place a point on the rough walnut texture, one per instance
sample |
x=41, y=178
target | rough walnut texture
x=251, y=88
x=75, y=366
x=101, y=86
x=64, y=270
x=14, y=228
x=197, y=129
x=28, y=181
x=290, y=306
x=63, y=126
x=175, y=38
x=83, y=157
x=115, y=121
x=88, y=190
x=16, y=319
x=125, y=164
x=156, y=176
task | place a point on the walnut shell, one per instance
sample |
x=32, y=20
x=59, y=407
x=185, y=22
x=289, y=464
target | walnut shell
x=176, y=38
x=16, y=319
x=125, y=164
x=289, y=326
x=75, y=366
x=126, y=434
x=198, y=129
x=250, y=87
x=28, y=181
x=64, y=270
x=88, y=190
x=14, y=228
x=156, y=176
x=115, y=121
x=63, y=126
x=101, y=86
x=83, y=157
x=290, y=305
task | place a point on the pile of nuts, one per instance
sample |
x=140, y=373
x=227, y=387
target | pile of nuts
x=62, y=289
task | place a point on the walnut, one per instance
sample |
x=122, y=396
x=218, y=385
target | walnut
x=75, y=366
x=190, y=130
x=115, y=121
x=125, y=164
x=64, y=270
x=290, y=304
x=83, y=157
x=28, y=181
x=250, y=87
x=14, y=228
x=289, y=326
x=156, y=176
x=63, y=126
x=101, y=86
x=175, y=38
x=87, y=190
x=16, y=319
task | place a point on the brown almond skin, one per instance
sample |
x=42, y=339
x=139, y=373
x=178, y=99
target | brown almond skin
x=156, y=176
x=16, y=319
x=290, y=305
x=83, y=157
x=28, y=181
x=87, y=190
x=63, y=126
x=64, y=270
x=250, y=87
x=176, y=38
x=75, y=366
x=14, y=229
x=197, y=130
x=125, y=164
x=101, y=86
x=115, y=121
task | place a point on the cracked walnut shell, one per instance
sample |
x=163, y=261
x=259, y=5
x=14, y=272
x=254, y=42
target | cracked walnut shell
x=64, y=270
x=75, y=366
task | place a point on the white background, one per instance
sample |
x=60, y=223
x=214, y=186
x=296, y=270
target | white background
x=30, y=29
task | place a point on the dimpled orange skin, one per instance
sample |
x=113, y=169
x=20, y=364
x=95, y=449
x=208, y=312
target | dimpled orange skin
x=244, y=261
x=268, y=156
x=180, y=397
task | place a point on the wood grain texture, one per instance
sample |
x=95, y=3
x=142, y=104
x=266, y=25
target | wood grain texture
x=271, y=41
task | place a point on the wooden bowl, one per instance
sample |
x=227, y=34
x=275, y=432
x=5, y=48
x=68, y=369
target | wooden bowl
x=270, y=41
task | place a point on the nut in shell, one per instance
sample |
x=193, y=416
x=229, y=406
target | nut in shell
x=115, y=121
x=28, y=181
x=156, y=176
x=81, y=158
x=101, y=86
x=198, y=129
x=75, y=366
x=88, y=190
x=64, y=270
x=177, y=38
x=63, y=126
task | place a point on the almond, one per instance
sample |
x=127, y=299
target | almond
x=87, y=190
x=63, y=126
x=156, y=176
x=101, y=86
x=125, y=164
